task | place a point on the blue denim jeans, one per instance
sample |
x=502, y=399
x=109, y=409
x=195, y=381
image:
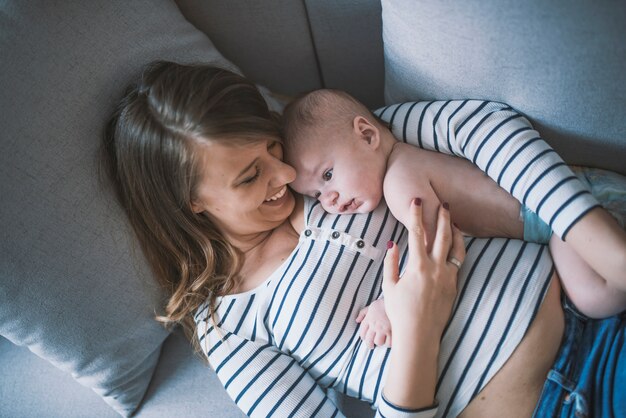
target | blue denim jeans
x=588, y=377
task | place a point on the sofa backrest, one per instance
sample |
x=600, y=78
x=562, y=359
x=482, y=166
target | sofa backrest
x=562, y=63
x=296, y=46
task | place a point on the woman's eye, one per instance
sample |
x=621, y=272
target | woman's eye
x=328, y=175
x=253, y=178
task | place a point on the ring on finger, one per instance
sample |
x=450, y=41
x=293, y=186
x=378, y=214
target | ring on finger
x=455, y=261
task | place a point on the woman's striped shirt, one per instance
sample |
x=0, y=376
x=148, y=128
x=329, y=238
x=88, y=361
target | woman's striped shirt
x=276, y=348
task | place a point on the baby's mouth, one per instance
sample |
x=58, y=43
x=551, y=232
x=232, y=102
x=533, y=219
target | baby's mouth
x=351, y=206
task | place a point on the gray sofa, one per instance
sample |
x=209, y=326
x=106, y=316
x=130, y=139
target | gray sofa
x=76, y=297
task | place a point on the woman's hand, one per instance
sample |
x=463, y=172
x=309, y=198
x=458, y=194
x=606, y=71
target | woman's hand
x=421, y=301
x=418, y=306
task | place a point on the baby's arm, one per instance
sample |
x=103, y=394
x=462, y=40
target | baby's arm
x=504, y=145
x=477, y=204
x=408, y=177
x=375, y=328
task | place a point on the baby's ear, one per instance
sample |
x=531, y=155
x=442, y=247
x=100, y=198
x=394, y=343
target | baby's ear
x=366, y=131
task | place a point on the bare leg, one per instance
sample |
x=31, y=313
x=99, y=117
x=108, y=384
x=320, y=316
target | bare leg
x=601, y=242
x=591, y=294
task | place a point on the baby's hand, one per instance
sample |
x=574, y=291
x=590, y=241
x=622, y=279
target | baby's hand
x=375, y=326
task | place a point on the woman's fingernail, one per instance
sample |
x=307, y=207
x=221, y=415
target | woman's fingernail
x=455, y=225
x=417, y=201
x=389, y=244
x=446, y=205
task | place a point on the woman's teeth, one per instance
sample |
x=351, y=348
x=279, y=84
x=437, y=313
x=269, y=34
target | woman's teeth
x=278, y=195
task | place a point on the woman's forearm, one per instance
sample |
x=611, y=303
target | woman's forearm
x=412, y=374
x=419, y=305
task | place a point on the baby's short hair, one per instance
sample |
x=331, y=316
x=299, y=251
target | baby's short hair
x=320, y=109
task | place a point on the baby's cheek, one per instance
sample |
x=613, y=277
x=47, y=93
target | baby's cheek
x=296, y=187
x=371, y=204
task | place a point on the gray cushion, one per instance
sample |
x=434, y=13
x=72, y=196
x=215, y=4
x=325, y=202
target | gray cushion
x=72, y=287
x=182, y=385
x=560, y=62
x=32, y=387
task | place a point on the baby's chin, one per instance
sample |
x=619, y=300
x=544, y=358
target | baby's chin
x=366, y=207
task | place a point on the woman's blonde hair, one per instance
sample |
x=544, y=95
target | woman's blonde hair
x=148, y=155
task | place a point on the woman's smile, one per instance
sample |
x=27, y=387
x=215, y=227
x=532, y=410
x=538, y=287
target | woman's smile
x=275, y=198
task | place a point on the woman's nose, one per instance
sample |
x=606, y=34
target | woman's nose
x=283, y=174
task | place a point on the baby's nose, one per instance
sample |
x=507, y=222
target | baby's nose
x=330, y=199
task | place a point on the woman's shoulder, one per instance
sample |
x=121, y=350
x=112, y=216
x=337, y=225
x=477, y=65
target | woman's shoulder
x=297, y=218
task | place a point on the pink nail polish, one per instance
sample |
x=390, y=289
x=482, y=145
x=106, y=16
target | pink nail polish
x=417, y=201
x=446, y=205
x=389, y=244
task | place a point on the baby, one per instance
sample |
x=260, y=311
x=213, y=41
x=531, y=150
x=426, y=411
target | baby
x=347, y=158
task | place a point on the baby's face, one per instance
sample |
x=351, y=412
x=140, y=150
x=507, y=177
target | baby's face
x=344, y=177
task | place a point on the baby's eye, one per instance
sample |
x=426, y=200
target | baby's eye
x=328, y=175
x=317, y=195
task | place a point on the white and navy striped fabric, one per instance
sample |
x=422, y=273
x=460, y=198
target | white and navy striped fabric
x=504, y=145
x=277, y=348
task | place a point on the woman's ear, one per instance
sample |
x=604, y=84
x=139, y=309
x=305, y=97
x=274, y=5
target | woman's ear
x=366, y=131
x=196, y=207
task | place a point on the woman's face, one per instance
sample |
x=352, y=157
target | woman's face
x=243, y=187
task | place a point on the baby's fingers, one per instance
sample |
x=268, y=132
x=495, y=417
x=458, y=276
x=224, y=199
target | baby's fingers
x=361, y=315
x=380, y=339
x=363, y=331
x=369, y=339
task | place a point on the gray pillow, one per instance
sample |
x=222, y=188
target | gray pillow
x=559, y=62
x=73, y=288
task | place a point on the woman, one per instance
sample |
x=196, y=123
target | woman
x=270, y=284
